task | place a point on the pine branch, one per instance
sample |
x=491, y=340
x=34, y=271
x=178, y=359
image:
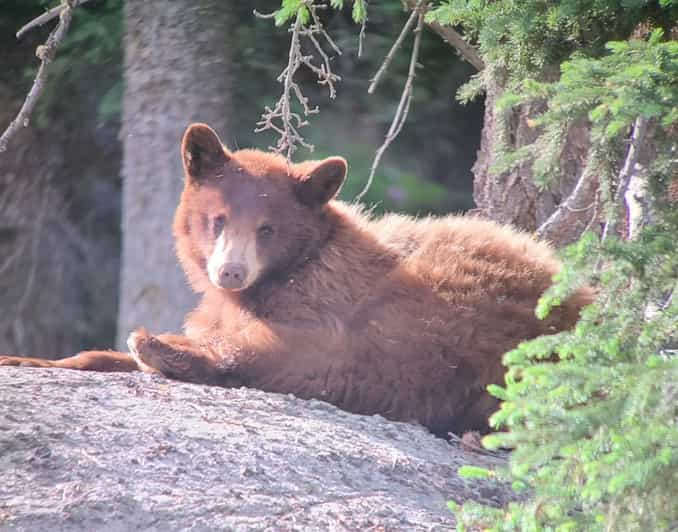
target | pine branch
x=45, y=53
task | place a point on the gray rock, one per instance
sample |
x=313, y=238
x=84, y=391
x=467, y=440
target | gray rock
x=107, y=452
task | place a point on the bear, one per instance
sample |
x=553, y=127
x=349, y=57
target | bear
x=304, y=294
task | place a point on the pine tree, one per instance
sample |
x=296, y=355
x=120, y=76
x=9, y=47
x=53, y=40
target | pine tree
x=594, y=434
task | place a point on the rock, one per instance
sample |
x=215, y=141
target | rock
x=85, y=451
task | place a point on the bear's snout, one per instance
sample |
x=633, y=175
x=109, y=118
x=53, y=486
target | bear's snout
x=232, y=275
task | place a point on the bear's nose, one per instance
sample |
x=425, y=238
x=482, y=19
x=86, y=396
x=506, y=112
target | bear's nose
x=232, y=275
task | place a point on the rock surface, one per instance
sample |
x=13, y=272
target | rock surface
x=106, y=452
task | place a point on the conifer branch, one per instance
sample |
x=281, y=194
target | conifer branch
x=45, y=53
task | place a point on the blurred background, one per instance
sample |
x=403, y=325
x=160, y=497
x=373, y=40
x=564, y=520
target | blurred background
x=84, y=260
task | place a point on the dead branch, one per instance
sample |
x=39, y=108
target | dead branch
x=405, y=99
x=48, y=15
x=361, y=37
x=454, y=39
x=46, y=54
x=627, y=173
x=468, y=442
x=396, y=46
x=582, y=194
x=259, y=14
x=281, y=118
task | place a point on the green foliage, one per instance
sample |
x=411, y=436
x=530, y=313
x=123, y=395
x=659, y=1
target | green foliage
x=297, y=8
x=475, y=472
x=526, y=37
x=359, y=11
x=635, y=78
x=595, y=433
x=292, y=9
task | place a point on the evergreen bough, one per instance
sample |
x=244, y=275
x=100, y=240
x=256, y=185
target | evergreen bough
x=591, y=415
x=593, y=433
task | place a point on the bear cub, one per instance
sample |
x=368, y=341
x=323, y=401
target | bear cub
x=303, y=294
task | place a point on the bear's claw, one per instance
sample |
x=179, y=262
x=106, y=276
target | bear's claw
x=137, y=343
x=150, y=352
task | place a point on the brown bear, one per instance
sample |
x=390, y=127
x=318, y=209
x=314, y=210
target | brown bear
x=307, y=295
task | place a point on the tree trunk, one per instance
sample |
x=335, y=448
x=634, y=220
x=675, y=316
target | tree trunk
x=59, y=244
x=512, y=197
x=177, y=71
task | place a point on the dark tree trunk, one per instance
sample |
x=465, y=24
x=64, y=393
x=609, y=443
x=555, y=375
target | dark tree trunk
x=177, y=71
x=513, y=197
x=59, y=243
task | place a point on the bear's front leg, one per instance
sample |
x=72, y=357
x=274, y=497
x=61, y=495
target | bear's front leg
x=175, y=356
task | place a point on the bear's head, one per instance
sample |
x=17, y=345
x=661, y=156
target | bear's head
x=247, y=215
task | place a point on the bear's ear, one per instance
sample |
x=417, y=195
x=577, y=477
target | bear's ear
x=323, y=182
x=202, y=153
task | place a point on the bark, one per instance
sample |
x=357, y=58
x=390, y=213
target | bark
x=177, y=71
x=107, y=452
x=59, y=241
x=58, y=252
x=512, y=197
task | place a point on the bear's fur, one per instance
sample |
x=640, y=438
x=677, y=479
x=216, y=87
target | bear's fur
x=306, y=295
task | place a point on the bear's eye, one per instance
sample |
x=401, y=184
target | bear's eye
x=218, y=224
x=265, y=231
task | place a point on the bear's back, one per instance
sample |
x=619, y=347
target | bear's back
x=468, y=255
x=463, y=293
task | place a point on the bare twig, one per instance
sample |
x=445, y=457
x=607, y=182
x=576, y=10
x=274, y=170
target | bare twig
x=567, y=223
x=281, y=118
x=583, y=191
x=361, y=37
x=317, y=27
x=594, y=216
x=405, y=99
x=48, y=15
x=467, y=444
x=289, y=135
x=46, y=54
x=258, y=14
x=627, y=172
x=396, y=46
x=454, y=39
